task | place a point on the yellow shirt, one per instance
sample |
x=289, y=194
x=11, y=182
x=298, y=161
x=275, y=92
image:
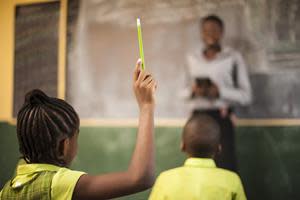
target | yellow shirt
x=198, y=179
x=63, y=182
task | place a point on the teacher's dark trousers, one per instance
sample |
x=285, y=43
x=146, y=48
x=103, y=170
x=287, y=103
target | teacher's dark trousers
x=226, y=159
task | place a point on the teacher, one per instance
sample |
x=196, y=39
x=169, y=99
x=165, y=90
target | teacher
x=217, y=81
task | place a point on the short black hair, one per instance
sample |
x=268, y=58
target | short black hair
x=42, y=124
x=201, y=136
x=213, y=18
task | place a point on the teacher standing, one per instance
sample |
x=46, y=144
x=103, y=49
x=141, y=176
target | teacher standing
x=217, y=81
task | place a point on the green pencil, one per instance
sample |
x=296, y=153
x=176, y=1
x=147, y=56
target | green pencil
x=139, y=29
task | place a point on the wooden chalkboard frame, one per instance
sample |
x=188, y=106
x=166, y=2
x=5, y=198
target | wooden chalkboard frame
x=7, y=29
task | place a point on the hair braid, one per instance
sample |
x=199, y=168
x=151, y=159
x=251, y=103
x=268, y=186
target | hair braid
x=43, y=122
x=25, y=135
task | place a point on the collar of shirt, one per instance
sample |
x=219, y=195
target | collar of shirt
x=200, y=162
x=225, y=52
x=27, y=172
x=33, y=168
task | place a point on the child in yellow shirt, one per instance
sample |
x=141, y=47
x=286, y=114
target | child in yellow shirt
x=199, y=178
x=47, y=130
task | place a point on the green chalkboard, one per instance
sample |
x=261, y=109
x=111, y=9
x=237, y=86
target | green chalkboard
x=268, y=156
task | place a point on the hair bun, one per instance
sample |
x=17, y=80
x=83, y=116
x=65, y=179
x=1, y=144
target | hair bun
x=35, y=97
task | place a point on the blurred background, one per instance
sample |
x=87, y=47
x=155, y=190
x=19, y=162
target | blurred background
x=85, y=52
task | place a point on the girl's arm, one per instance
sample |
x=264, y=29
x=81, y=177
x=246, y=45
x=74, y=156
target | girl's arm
x=140, y=173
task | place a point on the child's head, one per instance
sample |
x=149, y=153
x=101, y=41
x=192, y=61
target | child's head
x=201, y=137
x=47, y=130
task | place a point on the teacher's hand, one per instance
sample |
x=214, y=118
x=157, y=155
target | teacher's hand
x=213, y=91
x=197, y=91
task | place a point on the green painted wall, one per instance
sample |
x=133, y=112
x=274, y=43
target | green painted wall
x=268, y=156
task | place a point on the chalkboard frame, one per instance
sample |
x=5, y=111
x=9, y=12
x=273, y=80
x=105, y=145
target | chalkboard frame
x=7, y=17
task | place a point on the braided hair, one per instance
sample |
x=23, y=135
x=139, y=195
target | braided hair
x=43, y=123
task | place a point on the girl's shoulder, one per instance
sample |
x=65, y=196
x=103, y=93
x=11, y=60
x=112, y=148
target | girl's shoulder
x=64, y=182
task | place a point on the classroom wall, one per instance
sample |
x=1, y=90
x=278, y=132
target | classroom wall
x=99, y=86
x=105, y=50
x=268, y=156
x=102, y=49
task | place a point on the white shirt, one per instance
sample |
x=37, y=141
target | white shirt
x=220, y=71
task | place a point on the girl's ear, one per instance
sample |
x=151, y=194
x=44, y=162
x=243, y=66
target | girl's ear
x=66, y=148
x=182, y=146
x=63, y=147
x=69, y=148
